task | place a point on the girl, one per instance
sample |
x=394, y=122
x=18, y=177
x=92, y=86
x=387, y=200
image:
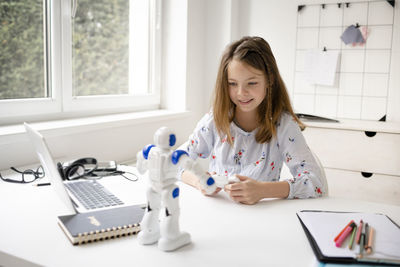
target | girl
x=252, y=130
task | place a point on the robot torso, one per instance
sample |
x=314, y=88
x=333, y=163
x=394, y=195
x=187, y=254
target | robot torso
x=162, y=172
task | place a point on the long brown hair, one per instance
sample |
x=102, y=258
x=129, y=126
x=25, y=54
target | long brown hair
x=255, y=52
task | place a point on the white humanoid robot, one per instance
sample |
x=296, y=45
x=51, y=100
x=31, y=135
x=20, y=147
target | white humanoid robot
x=163, y=165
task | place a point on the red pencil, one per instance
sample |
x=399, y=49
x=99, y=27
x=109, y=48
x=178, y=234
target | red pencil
x=341, y=232
x=345, y=234
x=358, y=235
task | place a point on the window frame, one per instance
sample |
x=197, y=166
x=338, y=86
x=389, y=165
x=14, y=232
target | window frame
x=58, y=51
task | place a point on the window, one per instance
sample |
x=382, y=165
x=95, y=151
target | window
x=22, y=50
x=100, y=48
x=66, y=58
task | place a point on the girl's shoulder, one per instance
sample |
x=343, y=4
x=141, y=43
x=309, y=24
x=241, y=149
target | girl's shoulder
x=207, y=121
x=286, y=120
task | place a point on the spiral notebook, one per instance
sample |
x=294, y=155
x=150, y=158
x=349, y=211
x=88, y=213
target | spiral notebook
x=101, y=225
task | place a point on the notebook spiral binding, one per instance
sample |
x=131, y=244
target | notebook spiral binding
x=82, y=228
x=108, y=233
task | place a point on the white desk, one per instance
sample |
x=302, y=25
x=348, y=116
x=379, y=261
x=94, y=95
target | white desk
x=224, y=233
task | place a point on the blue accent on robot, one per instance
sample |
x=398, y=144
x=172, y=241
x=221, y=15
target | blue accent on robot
x=172, y=140
x=176, y=155
x=175, y=193
x=146, y=150
x=210, y=181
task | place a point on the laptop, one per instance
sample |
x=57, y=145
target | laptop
x=74, y=194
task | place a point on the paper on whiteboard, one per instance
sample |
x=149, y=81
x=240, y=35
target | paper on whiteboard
x=321, y=67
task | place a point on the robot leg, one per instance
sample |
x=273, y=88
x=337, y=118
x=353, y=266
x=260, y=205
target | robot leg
x=150, y=228
x=171, y=236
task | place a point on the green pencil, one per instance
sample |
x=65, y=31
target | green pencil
x=352, y=237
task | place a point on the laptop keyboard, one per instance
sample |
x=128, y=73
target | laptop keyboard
x=93, y=195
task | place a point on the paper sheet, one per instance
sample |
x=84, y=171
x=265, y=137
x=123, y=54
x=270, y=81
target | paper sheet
x=324, y=226
x=321, y=66
x=352, y=35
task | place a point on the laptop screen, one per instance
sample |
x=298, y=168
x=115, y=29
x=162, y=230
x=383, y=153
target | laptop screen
x=49, y=166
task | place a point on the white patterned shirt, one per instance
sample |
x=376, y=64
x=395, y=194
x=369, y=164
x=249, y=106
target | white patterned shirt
x=262, y=162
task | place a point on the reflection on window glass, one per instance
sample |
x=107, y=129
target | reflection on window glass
x=100, y=52
x=22, y=64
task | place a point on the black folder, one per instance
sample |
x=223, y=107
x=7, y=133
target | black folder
x=342, y=259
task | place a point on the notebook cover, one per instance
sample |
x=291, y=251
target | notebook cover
x=100, y=225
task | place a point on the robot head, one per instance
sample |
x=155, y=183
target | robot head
x=164, y=138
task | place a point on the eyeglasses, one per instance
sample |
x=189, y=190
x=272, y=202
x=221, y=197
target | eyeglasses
x=27, y=176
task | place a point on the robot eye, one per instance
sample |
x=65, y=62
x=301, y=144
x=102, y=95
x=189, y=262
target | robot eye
x=172, y=140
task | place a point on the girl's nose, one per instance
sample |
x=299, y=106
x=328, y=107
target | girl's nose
x=241, y=90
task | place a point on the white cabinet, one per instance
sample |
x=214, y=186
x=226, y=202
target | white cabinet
x=361, y=158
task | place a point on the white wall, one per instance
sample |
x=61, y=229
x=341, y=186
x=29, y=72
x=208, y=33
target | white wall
x=275, y=21
x=229, y=20
x=218, y=35
x=196, y=40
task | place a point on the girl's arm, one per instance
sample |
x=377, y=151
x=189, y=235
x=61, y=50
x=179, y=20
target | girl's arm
x=190, y=179
x=200, y=144
x=307, y=177
x=250, y=191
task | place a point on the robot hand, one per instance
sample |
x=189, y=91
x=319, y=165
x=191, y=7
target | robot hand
x=208, y=184
x=222, y=180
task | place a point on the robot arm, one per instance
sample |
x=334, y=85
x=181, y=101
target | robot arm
x=141, y=159
x=182, y=159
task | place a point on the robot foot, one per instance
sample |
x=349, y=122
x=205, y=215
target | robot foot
x=148, y=238
x=172, y=244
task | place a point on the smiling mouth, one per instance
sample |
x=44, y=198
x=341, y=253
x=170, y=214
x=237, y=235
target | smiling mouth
x=245, y=102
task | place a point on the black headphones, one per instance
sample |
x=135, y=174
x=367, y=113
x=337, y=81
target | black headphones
x=77, y=169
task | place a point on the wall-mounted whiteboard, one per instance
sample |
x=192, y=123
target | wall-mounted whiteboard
x=362, y=79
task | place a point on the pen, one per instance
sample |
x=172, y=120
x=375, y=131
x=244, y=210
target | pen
x=353, y=234
x=368, y=247
x=341, y=232
x=359, y=232
x=345, y=234
x=362, y=240
x=366, y=230
x=42, y=184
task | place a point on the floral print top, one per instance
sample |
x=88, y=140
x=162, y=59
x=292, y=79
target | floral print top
x=262, y=162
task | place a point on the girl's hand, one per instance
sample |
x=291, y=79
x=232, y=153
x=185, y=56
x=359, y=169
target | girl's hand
x=247, y=191
x=204, y=191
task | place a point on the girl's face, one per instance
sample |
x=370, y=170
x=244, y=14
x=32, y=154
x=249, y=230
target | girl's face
x=247, y=86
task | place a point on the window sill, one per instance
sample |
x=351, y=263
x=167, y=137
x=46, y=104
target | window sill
x=16, y=133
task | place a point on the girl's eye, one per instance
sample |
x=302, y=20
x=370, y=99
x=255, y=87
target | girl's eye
x=252, y=83
x=232, y=84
